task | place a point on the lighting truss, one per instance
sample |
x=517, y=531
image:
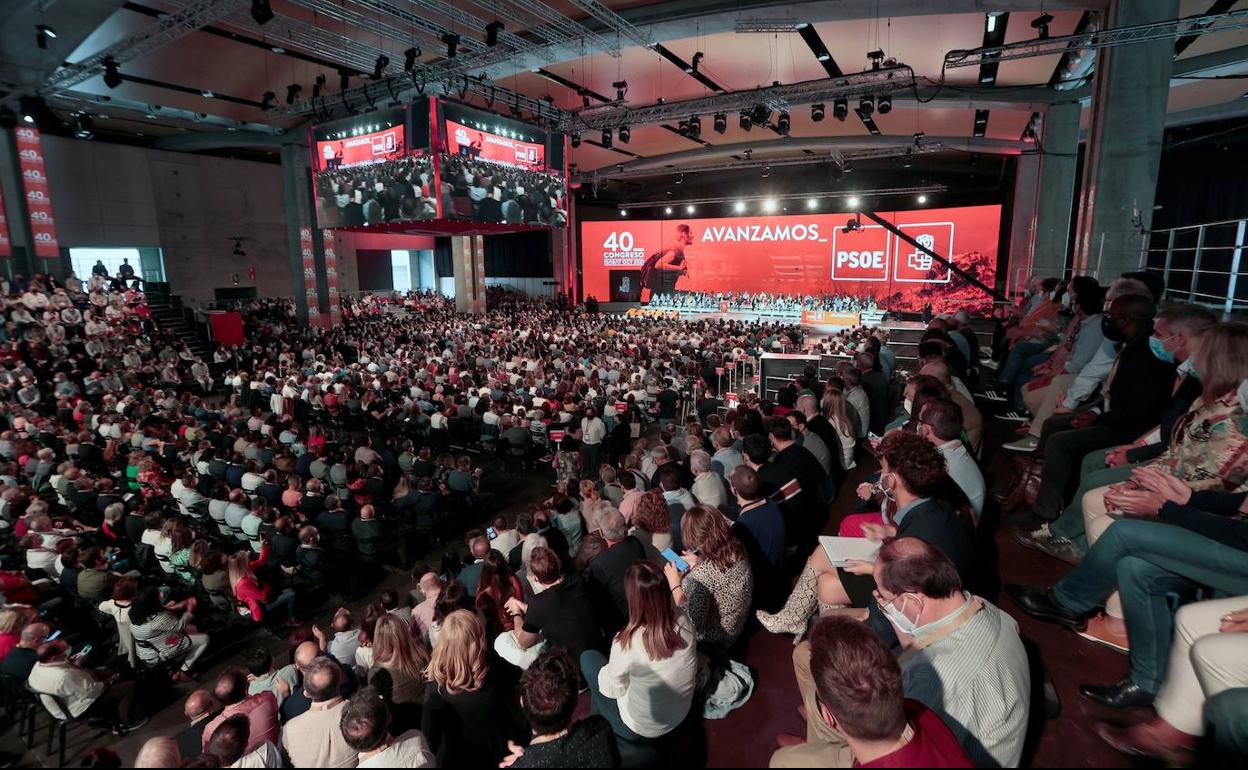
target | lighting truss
x=411, y=21
x=767, y=26
x=614, y=22
x=77, y=100
x=883, y=80
x=882, y=192
x=837, y=157
x=551, y=19
x=162, y=32
x=1109, y=38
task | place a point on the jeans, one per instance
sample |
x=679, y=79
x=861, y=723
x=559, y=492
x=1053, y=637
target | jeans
x=1025, y=376
x=592, y=662
x=1016, y=362
x=283, y=602
x=1151, y=564
x=1227, y=715
x=1094, y=475
x=1064, y=448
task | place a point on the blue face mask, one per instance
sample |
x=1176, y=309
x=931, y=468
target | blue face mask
x=1159, y=349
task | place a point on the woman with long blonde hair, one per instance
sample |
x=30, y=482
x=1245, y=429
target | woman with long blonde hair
x=399, y=662
x=470, y=710
x=835, y=410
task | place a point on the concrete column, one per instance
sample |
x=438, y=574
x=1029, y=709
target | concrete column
x=1055, y=190
x=1131, y=87
x=1022, y=222
x=297, y=199
x=468, y=263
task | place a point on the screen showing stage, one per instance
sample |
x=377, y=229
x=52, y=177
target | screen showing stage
x=468, y=142
x=399, y=190
x=376, y=138
x=800, y=255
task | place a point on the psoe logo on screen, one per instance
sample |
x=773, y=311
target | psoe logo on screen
x=526, y=155
x=914, y=265
x=384, y=144
x=861, y=255
x=620, y=250
x=461, y=136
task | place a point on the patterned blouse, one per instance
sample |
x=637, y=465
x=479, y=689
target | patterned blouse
x=1209, y=446
x=718, y=602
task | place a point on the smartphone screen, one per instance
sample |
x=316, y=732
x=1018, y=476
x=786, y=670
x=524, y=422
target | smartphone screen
x=675, y=559
x=491, y=533
x=52, y=637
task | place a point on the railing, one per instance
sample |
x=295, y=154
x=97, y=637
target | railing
x=1201, y=264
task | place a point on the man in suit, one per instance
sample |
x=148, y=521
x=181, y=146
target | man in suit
x=876, y=385
x=608, y=570
x=470, y=576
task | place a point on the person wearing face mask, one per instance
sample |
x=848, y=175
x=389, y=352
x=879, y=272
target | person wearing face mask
x=961, y=657
x=919, y=500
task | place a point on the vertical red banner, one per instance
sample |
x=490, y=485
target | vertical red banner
x=331, y=278
x=306, y=250
x=6, y=246
x=38, y=196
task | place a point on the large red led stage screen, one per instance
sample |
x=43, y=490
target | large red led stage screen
x=625, y=261
x=488, y=145
x=360, y=150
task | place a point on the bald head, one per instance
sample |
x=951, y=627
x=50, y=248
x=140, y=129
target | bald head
x=430, y=584
x=199, y=703
x=938, y=369
x=305, y=654
x=159, y=752
x=480, y=547
x=808, y=405
x=33, y=635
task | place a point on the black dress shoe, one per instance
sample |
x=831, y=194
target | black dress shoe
x=1120, y=695
x=1040, y=603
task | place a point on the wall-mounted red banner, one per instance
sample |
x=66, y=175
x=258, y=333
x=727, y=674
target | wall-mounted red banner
x=6, y=246
x=331, y=278
x=38, y=197
x=308, y=255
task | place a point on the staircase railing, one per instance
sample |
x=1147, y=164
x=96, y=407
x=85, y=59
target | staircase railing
x=1201, y=264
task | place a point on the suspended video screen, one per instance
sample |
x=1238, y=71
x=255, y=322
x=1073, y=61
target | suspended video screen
x=497, y=170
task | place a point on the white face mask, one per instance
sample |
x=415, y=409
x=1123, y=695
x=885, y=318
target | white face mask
x=907, y=404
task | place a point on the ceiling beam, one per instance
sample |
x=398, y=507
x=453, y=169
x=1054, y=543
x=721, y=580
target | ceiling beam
x=201, y=141
x=1237, y=108
x=1229, y=61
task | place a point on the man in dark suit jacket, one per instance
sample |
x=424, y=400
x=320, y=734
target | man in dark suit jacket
x=470, y=576
x=201, y=708
x=608, y=570
x=876, y=386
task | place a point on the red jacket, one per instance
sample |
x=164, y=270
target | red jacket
x=251, y=591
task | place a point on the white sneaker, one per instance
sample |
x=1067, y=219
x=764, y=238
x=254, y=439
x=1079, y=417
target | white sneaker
x=1026, y=444
x=1013, y=417
x=988, y=363
x=991, y=395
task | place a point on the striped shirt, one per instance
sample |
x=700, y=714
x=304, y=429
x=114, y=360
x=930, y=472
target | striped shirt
x=978, y=680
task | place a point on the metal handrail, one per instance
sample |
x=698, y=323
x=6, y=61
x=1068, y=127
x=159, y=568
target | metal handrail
x=1227, y=302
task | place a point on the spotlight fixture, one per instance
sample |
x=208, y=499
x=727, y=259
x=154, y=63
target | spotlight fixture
x=908, y=160
x=817, y=113
x=877, y=58
x=884, y=104
x=584, y=94
x=344, y=78
x=621, y=89
x=852, y=201
x=112, y=78
x=668, y=210
x=692, y=69
x=922, y=199
x=44, y=33
x=720, y=122
x=625, y=133
x=838, y=171
x=84, y=125
x=30, y=108
x=865, y=105
x=409, y=59
x=491, y=32
x=766, y=171
x=680, y=179
x=782, y=122
x=238, y=247
x=812, y=203
x=769, y=205
x=840, y=108
x=623, y=212
x=268, y=101
x=576, y=139
x=452, y=44
x=690, y=209
x=292, y=92
x=695, y=127
x=261, y=11
x=606, y=138
x=852, y=225
x=760, y=114
x=1041, y=25
x=317, y=85
x=746, y=124
x=207, y=94
x=739, y=207
x=380, y=65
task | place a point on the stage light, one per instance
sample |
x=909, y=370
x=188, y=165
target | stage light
x=769, y=205
x=766, y=171
x=261, y=11
x=690, y=209
x=277, y=49
x=697, y=60
x=207, y=94
x=623, y=212
x=760, y=114
x=409, y=59
x=782, y=122
x=838, y=171
x=884, y=104
x=908, y=160
x=292, y=92
x=44, y=33
x=84, y=126
x=739, y=207
x=667, y=210
x=380, y=65
x=865, y=105
x=112, y=78
x=840, y=108
x=268, y=101
x=1041, y=25
x=491, y=32
x=746, y=124
x=344, y=78
x=626, y=133
x=28, y=113
x=576, y=139
x=695, y=127
x=817, y=112
x=317, y=85
x=584, y=94
x=922, y=199
x=992, y=20
x=720, y=122
x=812, y=203
x=452, y=44
x=852, y=201
x=606, y=138
x=621, y=89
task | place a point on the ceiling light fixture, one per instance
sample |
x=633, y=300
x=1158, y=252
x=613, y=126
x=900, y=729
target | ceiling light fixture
x=44, y=33
x=817, y=113
x=922, y=199
x=668, y=210
x=292, y=92
x=317, y=85
x=380, y=65
x=112, y=78
x=884, y=104
x=625, y=133
x=261, y=11
x=866, y=105
x=690, y=209
x=606, y=138
x=1041, y=25
x=812, y=203
x=720, y=122
x=840, y=108
x=782, y=122
x=491, y=32
x=452, y=44
x=852, y=201
x=769, y=205
x=268, y=101
x=745, y=122
x=409, y=59
x=739, y=207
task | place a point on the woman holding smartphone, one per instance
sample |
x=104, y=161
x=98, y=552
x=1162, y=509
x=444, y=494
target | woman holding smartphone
x=718, y=588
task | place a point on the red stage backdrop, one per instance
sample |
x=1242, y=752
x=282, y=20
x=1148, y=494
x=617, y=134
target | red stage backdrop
x=360, y=150
x=802, y=254
x=486, y=145
x=38, y=196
